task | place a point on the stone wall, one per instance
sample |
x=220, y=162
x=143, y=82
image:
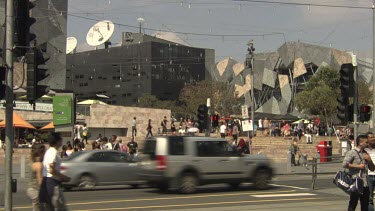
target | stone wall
x=119, y=119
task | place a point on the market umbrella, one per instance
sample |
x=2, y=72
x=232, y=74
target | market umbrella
x=90, y=102
x=49, y=126
x=18, y=122
x=306, y=121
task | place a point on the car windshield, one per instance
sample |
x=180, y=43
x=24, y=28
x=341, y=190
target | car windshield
x=74, y=155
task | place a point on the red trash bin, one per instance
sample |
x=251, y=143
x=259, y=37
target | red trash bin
x=322, y=148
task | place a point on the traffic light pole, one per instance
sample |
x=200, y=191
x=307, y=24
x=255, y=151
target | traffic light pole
x=355, y=103
x=9, y=32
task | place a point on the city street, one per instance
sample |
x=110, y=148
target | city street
x=289, y=192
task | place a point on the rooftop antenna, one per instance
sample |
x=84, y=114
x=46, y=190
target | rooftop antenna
x=140, y=21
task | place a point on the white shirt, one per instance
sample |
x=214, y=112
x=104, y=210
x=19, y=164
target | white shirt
x=51, y=156
x=108, y=145
x=77, y=135
x=260, y=123
x=223, y=128
x=371, y=152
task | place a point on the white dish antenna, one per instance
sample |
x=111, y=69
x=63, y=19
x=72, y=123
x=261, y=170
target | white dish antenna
x=100, y=33
x=71, y=44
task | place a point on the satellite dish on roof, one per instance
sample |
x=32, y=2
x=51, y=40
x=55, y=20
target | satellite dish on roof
x=71, y=44
x=100, y=33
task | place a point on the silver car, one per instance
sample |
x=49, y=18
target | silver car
x=88, y=169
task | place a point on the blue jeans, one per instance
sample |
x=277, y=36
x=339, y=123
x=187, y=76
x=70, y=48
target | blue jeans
x=371, y=185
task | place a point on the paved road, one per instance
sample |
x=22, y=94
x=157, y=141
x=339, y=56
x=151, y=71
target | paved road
x=287, y=193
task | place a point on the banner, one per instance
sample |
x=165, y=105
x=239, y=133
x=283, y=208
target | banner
x=245, y=112
x=62, y=110
x=22, y=105
x=247, y=125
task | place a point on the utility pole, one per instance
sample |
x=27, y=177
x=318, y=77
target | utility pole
x=9, y=32
x=251, y=50
x=355, y=103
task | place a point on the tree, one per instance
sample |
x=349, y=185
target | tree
x=320, y=93
x=223, y=98
x=364, y=93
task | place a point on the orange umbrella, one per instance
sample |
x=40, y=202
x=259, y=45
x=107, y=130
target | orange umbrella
x=18, y=122
x=49, y=126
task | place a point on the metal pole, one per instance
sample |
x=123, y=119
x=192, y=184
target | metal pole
x=373, y=65
x=9, y=31
x=355, y=104
x=252, y=92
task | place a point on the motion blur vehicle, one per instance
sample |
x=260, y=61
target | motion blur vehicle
x=88, y=169
x=187, y=162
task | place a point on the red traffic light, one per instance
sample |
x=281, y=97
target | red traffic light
x=365, y=109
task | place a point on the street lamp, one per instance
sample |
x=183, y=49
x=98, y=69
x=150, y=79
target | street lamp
x=140, y=21
x=250, y=64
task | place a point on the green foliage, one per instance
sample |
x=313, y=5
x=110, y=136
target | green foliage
x=30, y=136
x=319, y=96
x=364, y=93
x=223, y=99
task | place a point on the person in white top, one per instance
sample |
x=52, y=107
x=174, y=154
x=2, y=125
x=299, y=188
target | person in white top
x=223, y=129
x=371, y=174
x=260, y=125
x=50, y=194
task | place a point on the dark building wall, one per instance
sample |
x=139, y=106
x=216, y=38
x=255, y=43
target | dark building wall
x=127, y=72
x=50, y=29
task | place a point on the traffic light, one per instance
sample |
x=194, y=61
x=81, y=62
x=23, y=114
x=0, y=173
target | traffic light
x=202, y=116
x=215, y=120
x=346, y=87
x=22, y=23
x=347, y=80
x=35, y=74
x=364, y=113
x=2, y=82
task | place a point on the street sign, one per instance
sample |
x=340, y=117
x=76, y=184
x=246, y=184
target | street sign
x=245, y=112
x=247, y=125
x=62, y=110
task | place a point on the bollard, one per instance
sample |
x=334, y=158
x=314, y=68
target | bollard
x=23, y=166
x=289, y=162
x=314, y=173
x=14, y=186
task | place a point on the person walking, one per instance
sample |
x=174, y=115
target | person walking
x=223, y=130
x=77, y=135
x=358, y=162
x=134, y=127
x=149, y=128
x=235, y=133
x=36, y=177
x=164, y=125
x=50, y=195
x=85, y=131
x=371, y=174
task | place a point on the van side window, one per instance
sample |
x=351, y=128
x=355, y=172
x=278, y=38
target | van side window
x=176, y=146
x=215, y=149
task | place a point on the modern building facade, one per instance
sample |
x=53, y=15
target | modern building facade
x=141, y=65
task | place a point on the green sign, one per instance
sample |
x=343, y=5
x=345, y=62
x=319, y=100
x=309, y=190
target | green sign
x=62, y=110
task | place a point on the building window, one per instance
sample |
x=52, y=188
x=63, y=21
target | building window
x=81, y=76
x=77, y=76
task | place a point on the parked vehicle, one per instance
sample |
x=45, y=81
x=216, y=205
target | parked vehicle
x=187, y=162
x=88, y=169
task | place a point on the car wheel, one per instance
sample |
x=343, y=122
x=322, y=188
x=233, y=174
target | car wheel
x=261, y=179
x=235, y=185
x=134, y=186
x=188, y=183
x=86, y=181
x=163, y=187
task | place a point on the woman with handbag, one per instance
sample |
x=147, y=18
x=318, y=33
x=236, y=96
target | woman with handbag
x=358, y=162
x=37, y=153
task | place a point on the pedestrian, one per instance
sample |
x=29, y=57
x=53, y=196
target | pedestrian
x=70, y=149
x=358, y=162
x=266, y=125
x=149, y=128
x=123, y=148
x=134, y=127
x=371, y=174
x=260, y=126
x=113, y=142
x=173, y=128
x=300, y=128
x=223, y=130
x=85, y=131
x=235, y=133
x=293, y=151
x=63, y=153
x=50, y=194
x=132, y=148
x=106, y=145
x=77, y=135
x=164, y=125
x=36, y=178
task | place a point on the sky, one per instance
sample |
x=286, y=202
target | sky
x=215, y=21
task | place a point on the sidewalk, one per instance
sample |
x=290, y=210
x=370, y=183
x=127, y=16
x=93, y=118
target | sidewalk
x=323, y=168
